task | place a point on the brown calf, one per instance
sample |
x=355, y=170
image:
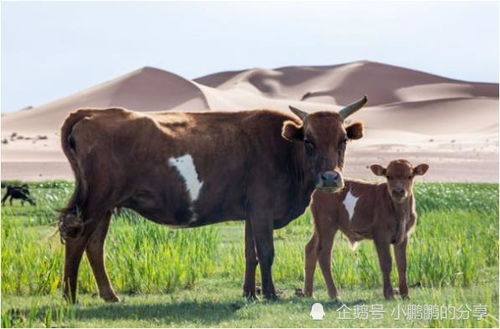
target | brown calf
x=384, y=212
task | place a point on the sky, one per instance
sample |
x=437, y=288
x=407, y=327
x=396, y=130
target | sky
x=52, y=49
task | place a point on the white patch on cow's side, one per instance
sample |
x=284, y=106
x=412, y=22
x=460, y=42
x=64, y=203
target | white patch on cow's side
x=350, y=203
x=187, y=170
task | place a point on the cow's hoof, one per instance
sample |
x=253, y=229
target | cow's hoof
x=111, y=298
x=271, y=297
x=405, y=297
x=250, y=296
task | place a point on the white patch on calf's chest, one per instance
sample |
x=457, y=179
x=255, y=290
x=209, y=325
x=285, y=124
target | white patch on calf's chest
x=350, y=204
x=187, y=170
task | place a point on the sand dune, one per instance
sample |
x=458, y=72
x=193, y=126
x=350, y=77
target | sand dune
x=142, y=90
x=340, y=84
x=449, y=123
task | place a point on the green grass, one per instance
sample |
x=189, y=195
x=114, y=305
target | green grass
x=193, y=277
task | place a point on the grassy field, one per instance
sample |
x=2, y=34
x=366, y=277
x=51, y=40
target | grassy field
x=193, y=277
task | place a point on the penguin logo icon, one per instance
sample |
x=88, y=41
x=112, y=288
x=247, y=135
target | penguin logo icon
x=317, y=312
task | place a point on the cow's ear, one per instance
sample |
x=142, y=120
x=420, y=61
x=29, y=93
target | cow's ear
x=378, y=170
x=421, y=169
x=355, y=130
x=292, y=131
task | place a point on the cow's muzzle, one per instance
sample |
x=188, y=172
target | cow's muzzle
x=330, y=181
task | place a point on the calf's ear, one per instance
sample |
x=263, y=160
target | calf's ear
x=378, y=170
x=292, y=132
x=421, y=169
x=355, y=130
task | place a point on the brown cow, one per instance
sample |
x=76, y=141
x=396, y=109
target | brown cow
x=192, y=169
x=384, y=212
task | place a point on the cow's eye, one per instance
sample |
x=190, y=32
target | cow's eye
x=309, y=143
x=410, y=177
x=389, y=177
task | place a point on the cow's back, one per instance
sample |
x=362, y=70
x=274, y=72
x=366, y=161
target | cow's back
x=186, y=169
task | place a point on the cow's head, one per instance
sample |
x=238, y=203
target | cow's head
x=399, y=174
x=324, y=137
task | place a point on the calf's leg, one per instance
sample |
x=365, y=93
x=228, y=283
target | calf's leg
x=400, y=253
x=95, y=254
x=324, y=257
x=311, y=257
x=385, y=260
x=251, y=262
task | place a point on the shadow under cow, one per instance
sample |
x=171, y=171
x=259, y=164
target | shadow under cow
x=204, y=312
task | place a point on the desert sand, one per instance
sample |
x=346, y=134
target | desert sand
x=452, y=125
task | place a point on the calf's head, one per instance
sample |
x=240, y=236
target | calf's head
x=400, y=175
x=324, y=136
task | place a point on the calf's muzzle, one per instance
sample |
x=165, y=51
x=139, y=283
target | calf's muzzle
x=399, y=194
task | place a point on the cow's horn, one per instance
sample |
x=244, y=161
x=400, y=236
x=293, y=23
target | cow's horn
x=351, y=108
x=301, y=114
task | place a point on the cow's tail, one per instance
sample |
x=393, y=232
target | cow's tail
x=70, y=218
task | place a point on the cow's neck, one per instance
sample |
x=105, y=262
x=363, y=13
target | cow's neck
x=304, y=175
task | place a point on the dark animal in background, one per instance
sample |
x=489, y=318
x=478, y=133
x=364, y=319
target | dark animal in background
x=189, y=169
x=384, y=212
x=18, y=192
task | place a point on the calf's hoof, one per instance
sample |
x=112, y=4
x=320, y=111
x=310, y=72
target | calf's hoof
x=69, y=299
x=299, y=292
x=333, y=295
x=389, y=294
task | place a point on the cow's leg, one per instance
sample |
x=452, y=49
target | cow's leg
x=326, y=237
x=95, y=254
x=73, y=256
x=10, y=200
x=385, y=260
x=262, y=229
x=22, y=202
x=251, y=262
x=400, y=253
x=74, y=252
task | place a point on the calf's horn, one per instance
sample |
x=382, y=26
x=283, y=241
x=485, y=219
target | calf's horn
x=301, y=114
x=351, y=108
